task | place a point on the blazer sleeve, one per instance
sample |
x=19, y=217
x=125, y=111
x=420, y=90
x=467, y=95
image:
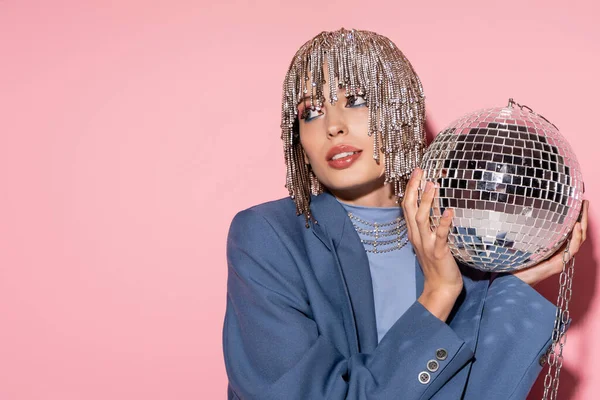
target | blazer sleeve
x=273, y=348
x=515, y=332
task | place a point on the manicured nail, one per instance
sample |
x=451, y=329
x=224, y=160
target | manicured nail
x=446, y=213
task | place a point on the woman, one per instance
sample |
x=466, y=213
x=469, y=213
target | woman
x=339, y=293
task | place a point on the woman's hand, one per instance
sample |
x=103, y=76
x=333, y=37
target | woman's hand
x=443, y=280
x=554, y=264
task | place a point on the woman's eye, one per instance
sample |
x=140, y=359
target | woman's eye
x=356, y=101
x=309, y=114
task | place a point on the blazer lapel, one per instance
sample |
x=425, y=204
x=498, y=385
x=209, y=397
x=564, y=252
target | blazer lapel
x=335, y=230
x=357, y=274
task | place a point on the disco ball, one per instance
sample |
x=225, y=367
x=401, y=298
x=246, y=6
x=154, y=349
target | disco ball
x=513, y=182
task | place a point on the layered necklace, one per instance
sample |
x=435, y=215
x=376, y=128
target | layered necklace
x=381, y=237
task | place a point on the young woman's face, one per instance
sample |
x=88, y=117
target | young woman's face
x=337, y=146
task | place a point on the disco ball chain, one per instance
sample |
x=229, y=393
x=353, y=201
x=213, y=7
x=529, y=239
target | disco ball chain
x=511, y=102
x=559, y=336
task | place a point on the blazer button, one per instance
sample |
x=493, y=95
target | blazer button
x=424, y=377
x=432, y=365
x=441, y=354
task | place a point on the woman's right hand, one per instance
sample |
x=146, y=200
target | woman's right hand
x=443, y=280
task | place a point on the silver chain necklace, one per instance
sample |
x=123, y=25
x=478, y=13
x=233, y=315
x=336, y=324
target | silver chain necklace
x=383, y=237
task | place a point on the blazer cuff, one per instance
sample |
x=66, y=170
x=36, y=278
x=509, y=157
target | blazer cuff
x=435, y=350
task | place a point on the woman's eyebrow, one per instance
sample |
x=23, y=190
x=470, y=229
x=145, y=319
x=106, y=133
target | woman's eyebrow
x=307, y=98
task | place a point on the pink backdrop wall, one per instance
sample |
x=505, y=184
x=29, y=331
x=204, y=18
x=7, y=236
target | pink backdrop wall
x=131, y=132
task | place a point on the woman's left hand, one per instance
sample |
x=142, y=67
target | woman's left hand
x=554, y=264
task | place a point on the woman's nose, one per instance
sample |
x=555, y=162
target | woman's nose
x=333, y=131
x=335, y=126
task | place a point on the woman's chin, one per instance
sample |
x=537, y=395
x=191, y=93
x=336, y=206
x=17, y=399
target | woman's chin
x=353, y=188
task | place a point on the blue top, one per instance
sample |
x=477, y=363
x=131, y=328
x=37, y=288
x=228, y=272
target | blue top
x=392, y=273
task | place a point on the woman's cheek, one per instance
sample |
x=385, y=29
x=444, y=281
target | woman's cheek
x=310, y=141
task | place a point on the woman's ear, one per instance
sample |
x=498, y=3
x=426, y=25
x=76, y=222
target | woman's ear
x=306, y=160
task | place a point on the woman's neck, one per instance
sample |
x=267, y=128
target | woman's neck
x=381, y=196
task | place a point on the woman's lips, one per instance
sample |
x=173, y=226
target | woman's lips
x=344, y=162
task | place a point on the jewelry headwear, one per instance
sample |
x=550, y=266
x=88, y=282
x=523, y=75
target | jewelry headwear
x=364, y=64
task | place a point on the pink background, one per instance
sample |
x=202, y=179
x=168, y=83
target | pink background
x=131, y=132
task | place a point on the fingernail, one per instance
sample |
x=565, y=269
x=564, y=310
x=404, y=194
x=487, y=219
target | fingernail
x=446, y=213
x=428, y=187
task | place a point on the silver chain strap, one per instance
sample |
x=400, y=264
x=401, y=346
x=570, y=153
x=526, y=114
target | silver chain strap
x=559, y=336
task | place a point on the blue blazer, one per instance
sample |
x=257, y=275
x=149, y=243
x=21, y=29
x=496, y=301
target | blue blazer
x=300, y=320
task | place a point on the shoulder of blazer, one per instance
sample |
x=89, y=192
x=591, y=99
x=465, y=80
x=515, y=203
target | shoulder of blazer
x=326, y=210
x=280, y=207
x=279, y=214
x=262, y=223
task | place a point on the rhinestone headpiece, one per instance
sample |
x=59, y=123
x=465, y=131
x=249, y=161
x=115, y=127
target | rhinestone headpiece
x=365, y=64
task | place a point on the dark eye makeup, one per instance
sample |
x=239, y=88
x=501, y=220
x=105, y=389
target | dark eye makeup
x=308, y=114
